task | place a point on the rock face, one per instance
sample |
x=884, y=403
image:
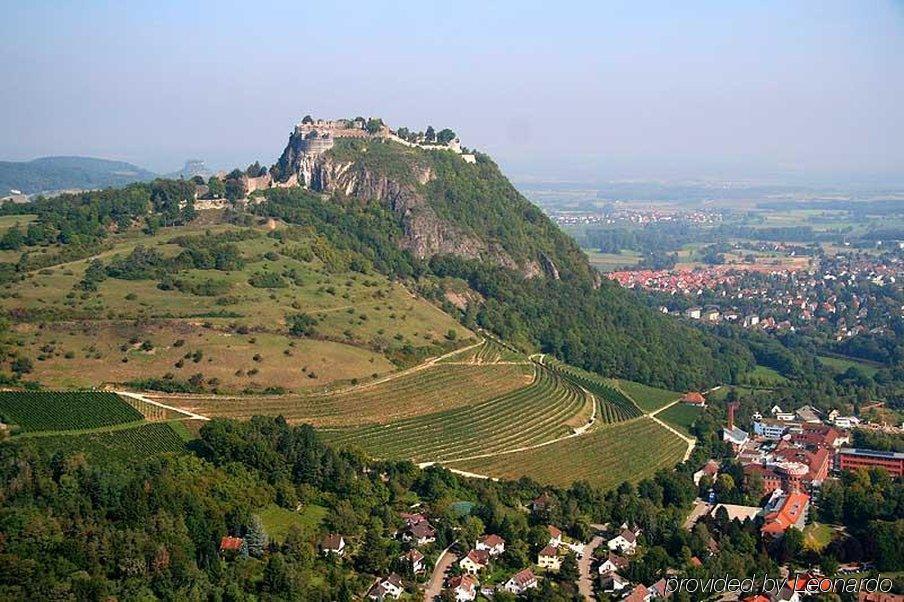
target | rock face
x=425, y=233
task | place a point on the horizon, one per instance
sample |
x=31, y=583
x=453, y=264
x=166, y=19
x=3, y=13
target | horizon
x=766, y=93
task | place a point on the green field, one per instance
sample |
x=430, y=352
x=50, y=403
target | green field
x=279, y=521
x=605, y=457
x=611, y=262
x=539, y=412
x=33, y=411
x=649, y=399
x=120, y=445
x=763, y=376
x=842, y=364
x=681, y=416
x=817, y=536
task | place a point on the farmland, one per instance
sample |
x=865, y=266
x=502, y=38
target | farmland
x=61, y=411
x=117, y=445
x=613, y=404
x=605, y=457
x=648, y=398
x=527, y=416
x=681, y=416
x=440, y=387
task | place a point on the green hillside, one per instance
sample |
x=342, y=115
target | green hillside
x=62, y=173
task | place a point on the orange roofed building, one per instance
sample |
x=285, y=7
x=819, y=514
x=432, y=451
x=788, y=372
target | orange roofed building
x=694, y=398
x=792, y=512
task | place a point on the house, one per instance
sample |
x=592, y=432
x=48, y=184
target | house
x=710, y=314
x=233, y=546
x=414, y=559
x=638, y=594
x=710, y=469
x=770, y=429
x=808, y=413
x=390, y=587
x=694, y=398
x=778, y=414
x=751, y=320
x=735, y=436
x=521, y=582
x=420, y=533
x=542, y=502
x=693, y=312
x=792, y=513
x=474, y=561
x=625, y=542
x=555, y=536
x=333, y=544
x=613, y=564
x=549, y=559
x=464, y=587
x=659, y=590
x=613, y=582
x=493, y=544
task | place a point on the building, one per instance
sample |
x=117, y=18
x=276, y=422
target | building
x=791, y=513
x=613, y=582
x=414, y=559
x=738, y=512
x=542, y=502
x=390, y=587
x=770, y=429
x=693, y=312
x=474, y=561
x=694, y=398
x=735, y=436
x=333, y=544
x=233, y=546
x=710, y=469
x=493, y=544
x=818, y=436
x=464, y=587
x=420, y=533
x=555, y=536
x=852, y=459
x=549, y=559
x=613, y=564
x=625, y=542
x=808, y=413
x=710, y=314
x=659, y=590
x=638, y=594
x=521, y=582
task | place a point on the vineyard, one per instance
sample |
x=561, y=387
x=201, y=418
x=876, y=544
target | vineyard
x=491, y=351
x=528, y=416
x=35, y=411
x=437, y=388
x=117, y=445
x=614, y=406
x=648, y=398
x=605, y=457
x=681, y=416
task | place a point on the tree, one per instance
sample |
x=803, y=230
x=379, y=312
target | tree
x=256, y=537
x=568, y=571
x=215, y=188
x=430, y=134
x=445, y=136
x=235, y=189
x=301, y=325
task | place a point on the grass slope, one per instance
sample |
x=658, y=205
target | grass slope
x=681, y=416
x=649, y=399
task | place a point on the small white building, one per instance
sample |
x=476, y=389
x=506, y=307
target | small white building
x=549, y=559
x=625, y=542
x=474, y=561
x=521, y=582
x=493, y=544
x=555, y=536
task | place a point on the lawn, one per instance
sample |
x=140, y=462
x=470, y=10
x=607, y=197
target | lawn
x=681, y=416
x=278, y=521
x=817, y=536
x=648, y=398
x=611, y=262
x=842, y=364
x=763, y=376
x=605, y=457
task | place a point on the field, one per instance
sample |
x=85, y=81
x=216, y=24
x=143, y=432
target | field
x=279, y=521
x=681, y=416
x=64, y=411
x=527, y=416
x=763, y=376
x=440, y=387
x=842, y=364
x=605, y=457
x=614, y=406
x=817, y=536
x=611, y=262
x=117, y=445
x=363, y=323
x=649, y=399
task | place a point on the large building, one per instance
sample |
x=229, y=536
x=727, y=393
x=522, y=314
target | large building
x=851, y=459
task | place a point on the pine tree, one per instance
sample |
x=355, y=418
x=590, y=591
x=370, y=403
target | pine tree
x=256, y=537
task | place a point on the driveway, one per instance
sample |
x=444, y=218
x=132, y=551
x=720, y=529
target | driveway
x=435, y=585
x=585, y=581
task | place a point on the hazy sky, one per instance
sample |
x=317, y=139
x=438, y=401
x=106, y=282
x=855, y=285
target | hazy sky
x=551, y=89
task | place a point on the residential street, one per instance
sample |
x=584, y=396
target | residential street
x=585, y=582
x=435, y=585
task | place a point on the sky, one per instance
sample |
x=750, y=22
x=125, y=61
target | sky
x=555, y=91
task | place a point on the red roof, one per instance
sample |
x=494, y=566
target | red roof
x=693, y=397
x=554, y=532
x=492, y=540
x=792, y=508
x=549, y=551
x=231, y=544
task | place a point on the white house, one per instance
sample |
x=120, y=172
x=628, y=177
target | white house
x=625, y=542
x=391, y=587
x=333, y=544
x=493, y=544
x=420, y=533
x=555, y=536
x=549, y=559
x=474, y=561
x=521, y=582
x=613, y=582
x=415, y=559
x=613, y=564
x=464, y=587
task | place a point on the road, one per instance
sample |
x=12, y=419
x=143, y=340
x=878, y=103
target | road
x=435, y=585
x=585, y=581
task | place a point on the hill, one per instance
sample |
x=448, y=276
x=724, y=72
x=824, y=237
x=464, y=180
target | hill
x=49, y=174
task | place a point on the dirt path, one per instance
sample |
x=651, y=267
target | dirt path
x=435, y=585
x=585, y=581
x=691, y=442
x=145, y=399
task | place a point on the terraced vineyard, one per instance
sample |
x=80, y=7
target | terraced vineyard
x=614, y=406
x=528, y=416
x=605, y=457
x=35, y=411
x=437, y=388
x=491, y=351
x=117, y=445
